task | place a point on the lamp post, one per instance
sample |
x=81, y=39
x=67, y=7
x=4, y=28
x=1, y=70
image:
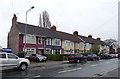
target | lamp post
x=26, y=26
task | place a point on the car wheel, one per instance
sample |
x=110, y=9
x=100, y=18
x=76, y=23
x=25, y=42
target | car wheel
x=43, y=60
x=23, y=66
x=93, y=59
x=37, y=60
x=85, y=60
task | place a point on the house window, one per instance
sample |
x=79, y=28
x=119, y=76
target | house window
x=39, y=40
x=48, y=41
x=56, y=42
x=88, y=45
x=67, y=43
x=56, y=51
x=30, y=50
x=48, y=51
x=82, y=45
x=30, y=39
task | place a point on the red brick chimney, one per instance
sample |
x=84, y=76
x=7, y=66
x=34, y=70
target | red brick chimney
x=75, y=33
x=89, y=36
x=53, y=28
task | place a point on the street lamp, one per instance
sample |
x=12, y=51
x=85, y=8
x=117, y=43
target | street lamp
x=26, y=26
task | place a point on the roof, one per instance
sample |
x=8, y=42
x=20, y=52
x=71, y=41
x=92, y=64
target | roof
x=67, y=36
x=45, y=32
x=35, y=30
x=92, y=40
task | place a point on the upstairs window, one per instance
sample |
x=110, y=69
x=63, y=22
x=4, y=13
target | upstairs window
x=30, y=39
x=39, y=40
x=56, y=42
x=67, y=43
x=48, y=41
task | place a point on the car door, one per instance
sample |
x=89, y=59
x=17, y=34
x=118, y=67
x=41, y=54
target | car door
x=12, y=60
x=33, y=57
x=3, y=60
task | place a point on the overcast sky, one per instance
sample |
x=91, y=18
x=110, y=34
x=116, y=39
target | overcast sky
x=98, y=18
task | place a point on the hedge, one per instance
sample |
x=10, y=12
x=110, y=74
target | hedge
x=60, y=57
x=21, y=54
x=56, y=57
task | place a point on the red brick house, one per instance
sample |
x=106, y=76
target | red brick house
x=16, y=40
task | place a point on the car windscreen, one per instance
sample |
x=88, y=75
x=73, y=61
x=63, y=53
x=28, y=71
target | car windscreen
x=38, y=55
x=90, y=55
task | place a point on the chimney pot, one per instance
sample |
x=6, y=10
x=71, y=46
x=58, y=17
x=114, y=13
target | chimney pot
x=53, y=28
x=14, y=19
x=90, y=36
x=75, y=33
x=98, y=38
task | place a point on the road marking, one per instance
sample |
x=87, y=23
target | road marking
x=69, y=70
x=96, y=64
x=93, y=65
x=37, y=76
x=108, y=71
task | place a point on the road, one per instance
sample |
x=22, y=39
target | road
x=88, y=69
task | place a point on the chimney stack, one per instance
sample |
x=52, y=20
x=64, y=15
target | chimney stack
x=75, y=33
x=98, y=38
x=53, y=28
x=89, y=36
x=14, y=19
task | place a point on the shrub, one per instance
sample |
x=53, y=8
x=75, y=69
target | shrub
x=56, y=57
x=21, y=54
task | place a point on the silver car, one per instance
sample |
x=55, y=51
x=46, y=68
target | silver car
x=37, y=57
x=9, y=60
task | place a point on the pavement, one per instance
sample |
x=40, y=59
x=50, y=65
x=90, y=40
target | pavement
x=47, y=64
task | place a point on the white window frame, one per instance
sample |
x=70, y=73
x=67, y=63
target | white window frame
x=30, y=49
x=82, y=45
x=48, y=41
x=67, y=43
x=30, y=39
x=56, y=42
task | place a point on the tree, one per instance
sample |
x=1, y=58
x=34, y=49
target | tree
x=44, y=21
x=95, y=48
x=113, y=44
x=40, y=21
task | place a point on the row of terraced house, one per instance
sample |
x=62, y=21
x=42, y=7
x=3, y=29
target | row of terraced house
x=49, y=41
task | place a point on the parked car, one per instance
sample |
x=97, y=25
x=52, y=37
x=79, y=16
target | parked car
x=105, y=56
x=28, y=54
x=118, y=55
x=114, y=55
x=92, y=57
x=37, y=57
x=77, y=58
x=9, y=60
